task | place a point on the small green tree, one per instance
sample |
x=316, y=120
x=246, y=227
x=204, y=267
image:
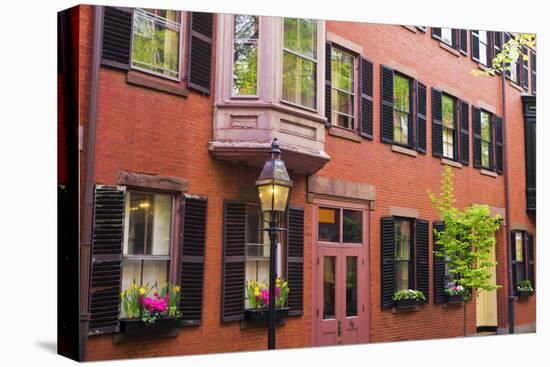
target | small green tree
x=467, y=239
x=510, y=53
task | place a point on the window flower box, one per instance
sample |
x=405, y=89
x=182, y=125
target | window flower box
x=524, y=289
x=408, y=299
x=135, y=329
x=455, y=294
x=260, y=317
x=454, y=299
x=407, y=304
x=524, y=294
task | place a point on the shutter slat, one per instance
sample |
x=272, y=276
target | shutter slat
x=106, y=268
x=386, y=115
x=476, y=132
x=422, y=257
x=439, y=266
x=117, y=37
x=367, y=98
x=421, y=106
x=193, y=246
x=387, y=243
x=233, y=261
x=328, y=83
x=200, y=51
x=464, y=133
x=437, y=124
x=295, y=260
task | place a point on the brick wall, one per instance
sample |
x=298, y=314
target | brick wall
x=142, y=130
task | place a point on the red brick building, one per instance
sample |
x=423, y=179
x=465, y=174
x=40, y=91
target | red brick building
x=176, y=112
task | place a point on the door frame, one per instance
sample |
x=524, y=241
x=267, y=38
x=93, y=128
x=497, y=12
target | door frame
x=345, y=204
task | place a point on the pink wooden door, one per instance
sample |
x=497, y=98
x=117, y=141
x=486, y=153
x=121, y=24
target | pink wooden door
x=342, y=316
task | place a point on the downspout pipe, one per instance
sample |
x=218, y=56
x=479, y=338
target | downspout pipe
x=511, y=298
x=87, y=220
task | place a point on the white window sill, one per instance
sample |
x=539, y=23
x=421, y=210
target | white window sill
x=449, y=162
x=488, y=173
x=448, y=48
x=405, y=151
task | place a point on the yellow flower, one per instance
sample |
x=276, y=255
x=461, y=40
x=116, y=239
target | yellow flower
x=142, y=291
x=256, y=291
x=122, y=294
x=176, y=288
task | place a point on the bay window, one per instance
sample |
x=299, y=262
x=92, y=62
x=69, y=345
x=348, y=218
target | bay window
x=156, y=39
x=300, y=62
x=245, y=55
x=147, y=238
x=343, y=96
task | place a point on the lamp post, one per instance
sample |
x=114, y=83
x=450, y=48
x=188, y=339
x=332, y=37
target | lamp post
x=274, y=186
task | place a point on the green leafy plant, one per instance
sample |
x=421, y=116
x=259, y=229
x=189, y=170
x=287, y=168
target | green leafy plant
x=258, y=293
x=510, y=52
x=525, y=286
x=148, y=304
x=456, y=290
x=404, y=294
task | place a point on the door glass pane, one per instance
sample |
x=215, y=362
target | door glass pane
x=351, y=286
x=329, y=287
x=329, y=225
x=352, y=226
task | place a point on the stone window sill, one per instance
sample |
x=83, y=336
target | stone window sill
x=488, y=173
x=403, y=150
x=484, y=68
x=514, y=85
x=155, y=83
x=449, y=162
x=344, y=134
x=448, y=48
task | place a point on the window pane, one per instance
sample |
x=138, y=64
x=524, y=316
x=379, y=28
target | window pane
x=401, y=93
x=448, y=143
x=519, y=246
x=299, y=80
x=342, y=70
x=342, y=109
x=245, y=58
x=485, y=129
x=520, y=272
x=447, y=35
x=402, y=240
x=155, y=44
x=400, y=127
x=448, y=111
x=300, y=36
x=483, y=54
x=484, y=154
x=513, y=71
x=144, y=272
x=329, y=225
x=449, y=277
x=401, y=275
x=352, y=226
x=148, y=221
x=329, y=287
x=351, y=286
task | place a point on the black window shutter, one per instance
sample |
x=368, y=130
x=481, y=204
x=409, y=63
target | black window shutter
x=421, y=117
x=436, y=33
x=531, y=259
x=455, y=38
x=193, y=244
x=533, y=73
x=422, y=257
x=499, y=151
x=200, y=51
x=106, y=269
x=386, y=115
x=476, y=130
x=525, y=67
x=463, y=35
x=464, y=133
x=437, y=124
x=295, y=260
x=234, y=233
x=387, y=242
x=117, y=37
x=475, y=45
x=514, y=263
x=492, y=165
x=328, y=83
x=507, y=72
x=439, y=266
x=366, y=98
x=497, y=45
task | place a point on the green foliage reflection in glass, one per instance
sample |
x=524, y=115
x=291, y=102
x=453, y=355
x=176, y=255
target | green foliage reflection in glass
x=485, y=139
x=156, y=41
x=401, y=106
x=300, y=61
x=342, y=88
x=245, y=56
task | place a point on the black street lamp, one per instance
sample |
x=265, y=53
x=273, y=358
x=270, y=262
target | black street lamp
x=274, y=186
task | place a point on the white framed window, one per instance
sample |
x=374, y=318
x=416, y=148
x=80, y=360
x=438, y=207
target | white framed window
x=245, y=55
x=300, y=62
x=447, y=36
x=343, y=88
x=449, y=126
x=483, y=47
x=156, y=42
x=147, y=238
